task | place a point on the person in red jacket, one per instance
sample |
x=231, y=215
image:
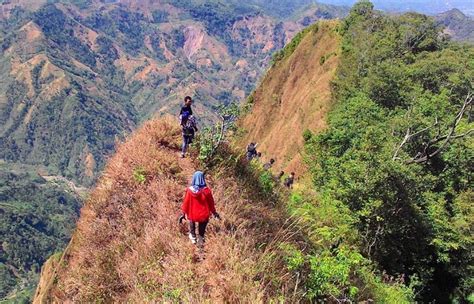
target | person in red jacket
x=198, y=205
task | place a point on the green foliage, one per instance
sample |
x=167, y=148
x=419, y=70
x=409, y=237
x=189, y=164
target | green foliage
x=8, y=280
x=58, y=27
x=129, y=24
x=139, y=175
x=330, y=274
x=210, y=138
x=336, y=269
x=397, y=73
x=267, y=182
x=294, y=258
x=249, y=103
x=37, y=220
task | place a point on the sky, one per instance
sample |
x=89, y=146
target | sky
x=422, y=6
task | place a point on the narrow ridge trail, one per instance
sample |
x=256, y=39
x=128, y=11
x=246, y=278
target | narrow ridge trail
x=129, y=247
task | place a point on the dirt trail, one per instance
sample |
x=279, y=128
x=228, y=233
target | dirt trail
x=198, y=253
x=185, y=164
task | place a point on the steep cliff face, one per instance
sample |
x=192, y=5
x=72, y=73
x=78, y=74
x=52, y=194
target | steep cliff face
x=294, y=96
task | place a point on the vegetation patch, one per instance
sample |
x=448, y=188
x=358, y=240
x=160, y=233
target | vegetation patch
x=395, y=153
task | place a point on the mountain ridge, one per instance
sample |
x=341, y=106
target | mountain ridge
x=235, y=249
x=457, y=25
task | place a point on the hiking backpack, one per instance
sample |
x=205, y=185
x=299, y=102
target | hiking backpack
x=189, y=126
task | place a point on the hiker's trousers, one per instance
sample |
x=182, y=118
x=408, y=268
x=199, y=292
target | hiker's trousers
x=186, y=141
x=201, y=228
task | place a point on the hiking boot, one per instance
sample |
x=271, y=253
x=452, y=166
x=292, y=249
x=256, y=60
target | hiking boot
x=192, y=238
x=200, y=240
x=182, y=155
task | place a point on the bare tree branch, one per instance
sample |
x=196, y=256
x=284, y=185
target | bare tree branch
x=409, y=136
x=427, y=153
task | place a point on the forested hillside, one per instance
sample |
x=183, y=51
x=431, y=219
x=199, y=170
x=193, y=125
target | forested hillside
x=37, y=217
x=398, y=151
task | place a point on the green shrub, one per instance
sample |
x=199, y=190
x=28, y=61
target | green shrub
x=139, y=175
x=330, y=274
x=398, y=76
x=267, y=182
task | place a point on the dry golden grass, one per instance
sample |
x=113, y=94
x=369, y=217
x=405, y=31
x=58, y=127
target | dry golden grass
x=128, y=246
x=294, y=96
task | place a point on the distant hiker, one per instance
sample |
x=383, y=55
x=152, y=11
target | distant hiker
x=290, y=180
x=188, y=101
x=189, y=128
x=197, y=207
x=279, y=176
x=268, y=165
x=252, y=151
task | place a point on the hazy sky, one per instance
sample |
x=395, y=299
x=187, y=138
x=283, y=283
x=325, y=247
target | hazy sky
x=424, y=6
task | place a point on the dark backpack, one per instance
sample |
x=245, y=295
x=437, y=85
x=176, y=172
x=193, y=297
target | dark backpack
x=189, y=127
x=289, y=181
x=251, y=151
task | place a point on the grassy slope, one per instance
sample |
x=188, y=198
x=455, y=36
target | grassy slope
x=294, y=96
x=128, y=246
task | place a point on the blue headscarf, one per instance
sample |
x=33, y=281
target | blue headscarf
x=198, y=182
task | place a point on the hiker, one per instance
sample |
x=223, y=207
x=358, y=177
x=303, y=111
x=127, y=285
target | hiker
x=189, y=128
x=290, y=180
x=268, y=165
x=279, y=176
x=251, y=151
x=197, y=207
x=188, y=101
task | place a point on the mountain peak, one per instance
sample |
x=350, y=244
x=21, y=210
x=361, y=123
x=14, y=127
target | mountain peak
x=454, y=13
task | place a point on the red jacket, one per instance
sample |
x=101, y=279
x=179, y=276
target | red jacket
x=198, y=206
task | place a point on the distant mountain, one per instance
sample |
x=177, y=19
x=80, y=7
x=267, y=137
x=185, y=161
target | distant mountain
x=422, y=6
x=76, y=78
x=459, y=26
